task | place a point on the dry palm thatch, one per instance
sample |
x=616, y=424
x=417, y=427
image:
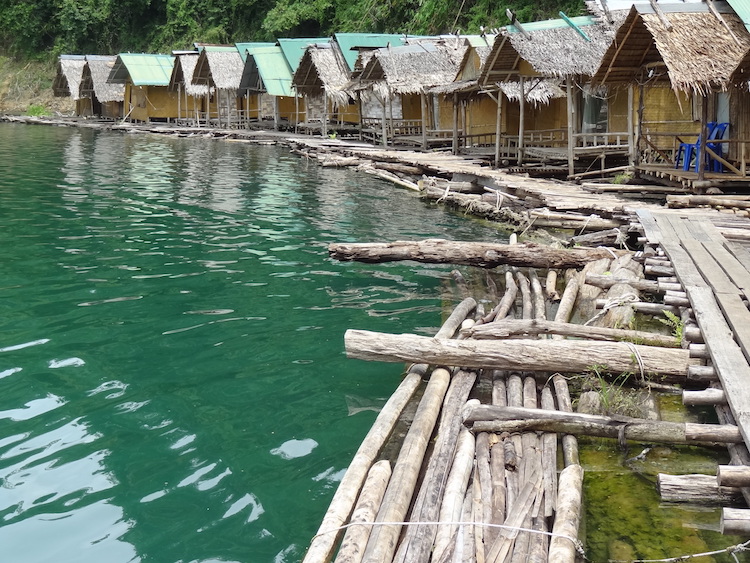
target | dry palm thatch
x=559, y=52
x=699, y=52
x=220, y=69
x=183, y=72
x=94, y=81
x=741, y=74
x=323, y=71
x=537, y=91
x=68, y=76
x=412, y=69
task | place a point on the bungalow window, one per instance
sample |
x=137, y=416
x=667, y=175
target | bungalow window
x=594, y=111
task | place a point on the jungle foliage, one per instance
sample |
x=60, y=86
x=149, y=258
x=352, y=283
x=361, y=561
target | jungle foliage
x=40, y=28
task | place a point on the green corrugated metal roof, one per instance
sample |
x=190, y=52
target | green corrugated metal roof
x=742, y=9
x=273, y=70
x=479, y=40
x=580, y=21
x=349, y=42
x=243, y=47
x=144, y=69
x=293, y=49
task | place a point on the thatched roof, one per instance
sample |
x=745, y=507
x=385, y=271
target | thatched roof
x=468, y=71
x=553, y=48
x=741, y=74
x=68, y=76
x=537, y=91
x=94, y=82
x=413, y=68
x=219, y=68
x=698, y=53
x=322, y=70
x=182, y=73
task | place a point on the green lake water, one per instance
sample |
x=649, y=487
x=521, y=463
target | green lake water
x=173, y=384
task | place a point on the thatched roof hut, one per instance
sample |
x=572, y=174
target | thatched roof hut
x=558, y=48
x=413, y=68
x=323, y=71
x=694, y=51
x=183, y=72
x=68, y=76
x=350, y=44
x=537, y=91
x=219, y=67
x=94, y=82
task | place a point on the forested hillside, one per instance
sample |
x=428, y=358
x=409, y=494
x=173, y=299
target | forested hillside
x=40, y=28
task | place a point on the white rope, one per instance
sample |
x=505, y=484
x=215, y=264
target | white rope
x=578, y=545
x=608, y=249
x=732, y=550
x=611, y=304
x=639, y=359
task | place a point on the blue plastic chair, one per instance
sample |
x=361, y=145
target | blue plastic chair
x=717, y=134
x=687, y=151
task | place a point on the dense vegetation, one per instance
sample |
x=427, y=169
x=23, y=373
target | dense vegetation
x=34, y=28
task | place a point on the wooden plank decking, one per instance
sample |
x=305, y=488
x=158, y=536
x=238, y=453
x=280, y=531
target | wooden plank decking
x=715, y=281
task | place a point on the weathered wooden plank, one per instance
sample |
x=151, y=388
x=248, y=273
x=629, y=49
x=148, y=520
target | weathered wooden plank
x=738, y=318
x=739, y=275
x=685, y=269
x=709, y=267
x=651, y=228
x=726, y=355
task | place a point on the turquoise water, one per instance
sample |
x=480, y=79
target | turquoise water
x=173, y=385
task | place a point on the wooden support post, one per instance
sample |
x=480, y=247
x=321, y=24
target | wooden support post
x=454, y=144
x=521, y=121
x=384, y=124
x=498, y=126
x=631, y=126
x=571, y=125
x=704, y=134
x=423, y=104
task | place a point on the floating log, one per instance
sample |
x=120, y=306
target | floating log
x=735, y=522
x=483, y=255
x=546, y=218
x=733, y=475
x=355, y=538
x=735, y=201
x=382, y=543
x=702, y=373
x=533, y=327
x=322, y=546
x=705, y=397
x=564, y=404
x=522, y=355
x=609, y=236
x=568, y=299
x=696, y=489
x=489, y=418
x=643, y=307
x=550, y=286
x=622, y=315
x=562, y=548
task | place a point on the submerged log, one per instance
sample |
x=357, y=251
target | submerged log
x=480, y=254
x=605, y=282
x=521, y=355
x=533, y=327
x=489, y=418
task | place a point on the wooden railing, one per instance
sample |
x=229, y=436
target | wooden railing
x=610, y=139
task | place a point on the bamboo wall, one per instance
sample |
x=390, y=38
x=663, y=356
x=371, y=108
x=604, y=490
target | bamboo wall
x=411, y=106
x=150, y=102
x=739, y=123
x=481, y=116
x=666, y=114
x=287, y=108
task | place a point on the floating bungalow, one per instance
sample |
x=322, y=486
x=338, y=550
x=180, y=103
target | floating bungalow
x=267, y=74
x=682, y=62
x=67, y=82
x=294, y=50
x=220, y=69
x=322, y=77
x=191, y=98
x=105, y=99
x=541, y=58
x=401, y=78
x=146, y=78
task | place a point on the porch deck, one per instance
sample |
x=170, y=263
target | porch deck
x=688, y=179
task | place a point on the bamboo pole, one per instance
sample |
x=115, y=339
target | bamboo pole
x=517, y=327
x=562, y=547
x=355, y=538
x=382, y=543
x=564, y=404
x=489, y=418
